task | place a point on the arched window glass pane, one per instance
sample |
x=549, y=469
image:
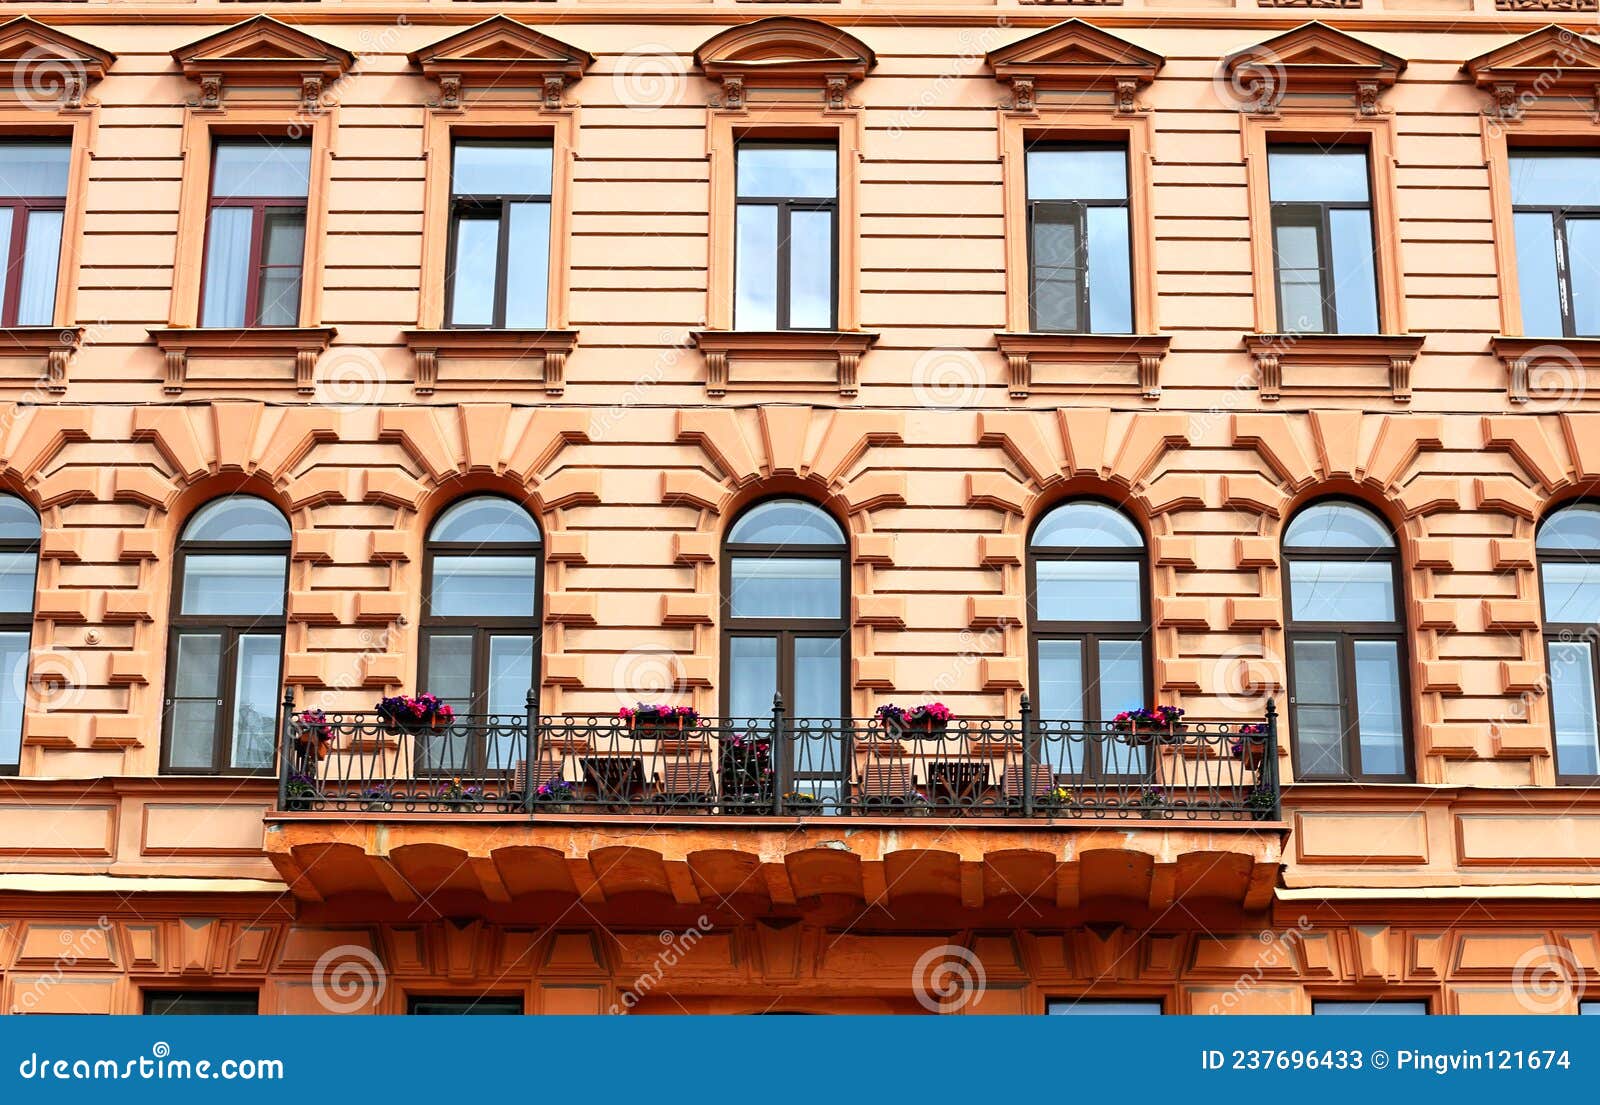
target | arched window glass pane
x=1342, y=590
x=18, y=522
x=241, y=518
x=1572, y=529
x=221, y=584
x=784, y=587
x=1087, y=525
x=1338, y=526
x=484, y=586
x=486, y=520
x=786, y=522
x=1087, y=590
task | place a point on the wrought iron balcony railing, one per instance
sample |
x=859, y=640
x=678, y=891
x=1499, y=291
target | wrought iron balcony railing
x=777, y=765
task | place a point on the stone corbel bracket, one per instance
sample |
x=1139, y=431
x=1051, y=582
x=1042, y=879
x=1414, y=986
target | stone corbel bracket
x=301, y=344
x=1391, y=355
x=506, y=56
x=548, y=349
x=1074, y=363
x=838, y=351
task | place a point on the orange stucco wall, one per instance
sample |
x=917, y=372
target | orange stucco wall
x=937, y=461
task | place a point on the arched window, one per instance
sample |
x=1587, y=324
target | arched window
x=1089, y=628
x=19, y=562
x=1346, y=643
x=785, y=629
x=1569, y=576
x=226, y=646
x=480, y=619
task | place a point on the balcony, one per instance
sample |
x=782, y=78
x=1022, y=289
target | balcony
x=508, y=807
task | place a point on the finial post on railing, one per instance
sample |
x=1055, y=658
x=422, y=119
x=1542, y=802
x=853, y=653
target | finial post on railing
x=286, y=746
x=1269, y=769
x=530, y=748
x=780, y=756
x=1029, y=756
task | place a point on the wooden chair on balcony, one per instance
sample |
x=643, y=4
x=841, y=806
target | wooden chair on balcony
x=885, y=784
x=685, y=780
x=1041, y=779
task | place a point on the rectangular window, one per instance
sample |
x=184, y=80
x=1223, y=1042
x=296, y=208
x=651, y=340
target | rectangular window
x=201, y=1003
x=33, y=200
x=1369, y=1008
x=1322, y=245
x=498, y=270
x=255, y=233
x=451, y=1007
x=1081, y=278
x=1075, y=1007
x=1555, y=208
x=786, y=236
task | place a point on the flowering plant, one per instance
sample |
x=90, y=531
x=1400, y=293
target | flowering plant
x=656, y=713
x=314, y=725
x=378, y=796
x=802, y=798
x=1147, y=718
x=403, y=709
x=1153, y=798
x=302, y=785
x=928, y=715
x=454, y=791
x=1254, y=729
x=556, y=790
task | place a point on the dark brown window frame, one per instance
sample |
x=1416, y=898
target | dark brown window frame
x=1089, y=635
x=263, y=209
x=230, y=627
x=1079, y=209
x=481, y=630
x=463, y=204
x=1345, y=636
x=415, y=1000
x=1558, y=216
x=22, y=210
x=1316, y=214
x=1561, y=633
x=204, y=997
x=18, y=621
x=786, y=206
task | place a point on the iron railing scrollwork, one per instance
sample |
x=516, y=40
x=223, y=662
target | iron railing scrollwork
x=778, y=765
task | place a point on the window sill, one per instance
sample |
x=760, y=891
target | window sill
x=41, y=352
x=1553, y=368
x=478, y=357
x=1062, y=363
x=1369, y=365
x=252, y=355
x=782, y=360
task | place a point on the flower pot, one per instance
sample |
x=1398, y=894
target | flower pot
x=1253, y=752
x=375, y=805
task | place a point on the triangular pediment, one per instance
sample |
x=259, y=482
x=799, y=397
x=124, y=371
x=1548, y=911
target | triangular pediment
x=782, y=46
x=263, y=46
x=1074, y=53
x=500, y=45
x=26, y=40
x=1315, y=50
x=1554, y=50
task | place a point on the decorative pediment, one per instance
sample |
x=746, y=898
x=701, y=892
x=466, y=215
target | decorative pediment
x=43, y=66
x=1075, y=57
x=1548, y=66
x=1312, y=62
x=503, y=54
x=262, y=51
x=781, y=55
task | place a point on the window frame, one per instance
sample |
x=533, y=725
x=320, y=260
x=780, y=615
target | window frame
x=1345, y=636
x=1555, y=633
x=482, y=630
x=1089, y=635
x=1079, y=208
x=459, y=202
x=786, y=630
x=231, y=627
x=1317, y=214
x=22, y=210
x=202, y=997
x=17, y=621
x=786, y=206
x=262, y=209
x=1558, y=216
x=1085, y=1006
x=415, y=1000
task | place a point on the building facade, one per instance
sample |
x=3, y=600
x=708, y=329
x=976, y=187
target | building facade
x=785, y=362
